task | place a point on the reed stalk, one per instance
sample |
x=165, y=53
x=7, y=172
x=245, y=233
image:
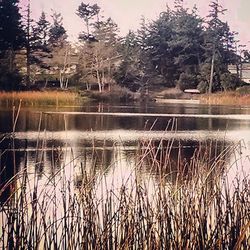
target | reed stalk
x=40, y=98
x=191, y=206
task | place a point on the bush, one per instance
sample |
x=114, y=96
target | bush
x=187, y=81
x=244, y=90
x=9, y=80
x=117, y=94
x=229, y=81
x=203, y=87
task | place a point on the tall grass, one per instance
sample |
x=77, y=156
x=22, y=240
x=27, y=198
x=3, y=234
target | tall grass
x=200, y=209
x=38, y=98
x=227, y=98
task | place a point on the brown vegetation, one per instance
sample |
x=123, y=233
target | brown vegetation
x=202, y=212
x=39, y=98
x=226, y=98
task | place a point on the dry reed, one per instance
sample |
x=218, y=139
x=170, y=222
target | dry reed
x=227, y=98
x=198, y=210
x=38, y=98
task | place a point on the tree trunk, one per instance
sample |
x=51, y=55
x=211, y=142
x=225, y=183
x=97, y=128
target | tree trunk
x=99, y=80
x=28, y=63
x=103, y=80
x=63, y=81
x=87, y=86
x=11, y=58
x=212, y=72
x=28, y=48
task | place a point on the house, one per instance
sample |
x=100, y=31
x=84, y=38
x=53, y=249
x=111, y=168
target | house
x=243, y=71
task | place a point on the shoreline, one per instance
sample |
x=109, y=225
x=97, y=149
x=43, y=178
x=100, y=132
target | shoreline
x=74, y=98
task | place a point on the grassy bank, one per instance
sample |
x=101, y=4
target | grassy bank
x=226, y=98
x=240, y=97
x=201, y=212
x=115, y=94
x=40, y=98
x=65, y=98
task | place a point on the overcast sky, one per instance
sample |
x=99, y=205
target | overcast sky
x=127, y=13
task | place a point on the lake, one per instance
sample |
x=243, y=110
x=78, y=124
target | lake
x=106, y=147
x=104, y=131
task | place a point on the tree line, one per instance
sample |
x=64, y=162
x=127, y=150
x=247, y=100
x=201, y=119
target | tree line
x=178, y=49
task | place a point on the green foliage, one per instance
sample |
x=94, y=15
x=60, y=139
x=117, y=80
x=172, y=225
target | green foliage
x=229, y=81
x=11, y=33
x=187, y=40
x=98, y=50
x=187, y=81
x=9, y=80
x=57, y=33
x=87, y=12
x=203, y=86
x=42, y=31
x=219, y=45
x=244, y=90
x=12, y=38
x=172, y=45
x=128, y=74
x=157, y=54
x=180, y=48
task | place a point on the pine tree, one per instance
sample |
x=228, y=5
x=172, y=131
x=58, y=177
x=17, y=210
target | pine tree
x=57, y=33
x=98, y=47
x=28, y=44
x=41, y=45
x=186, y=46
x=219, y=43
x=87, y=12
x=12, y=38
x=42, y=31
x=157, y=59
x=11, y=32
x=60, y=49
x=215, y=34
x=128, y=73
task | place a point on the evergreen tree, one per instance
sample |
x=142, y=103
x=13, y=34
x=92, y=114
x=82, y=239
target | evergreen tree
x=41, y=49
x=57, y=33
x=87, y=12
x=98, y=52
x=11, y=40
x=186, y=46
x=106, y=31
x=37, y=47
x=219, y=47
x=42, y=31
x=28, y=44
x=11, y=32
x=156, y=52
x=128, y=74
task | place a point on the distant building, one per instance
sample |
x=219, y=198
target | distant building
x=244, y=71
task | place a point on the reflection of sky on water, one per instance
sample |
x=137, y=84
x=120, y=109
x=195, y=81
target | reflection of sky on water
x=134, y=135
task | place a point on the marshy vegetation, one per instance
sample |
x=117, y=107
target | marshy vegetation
x=241, y=97
x=40, y=98
x=186, y=203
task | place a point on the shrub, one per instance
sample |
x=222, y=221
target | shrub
x=117, y=94
x=203, y=87
x=244, y=90
x=187, y=81
x=9, y=80
x=229, y=81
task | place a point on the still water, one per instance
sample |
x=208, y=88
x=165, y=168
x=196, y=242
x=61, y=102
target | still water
x=107, y=140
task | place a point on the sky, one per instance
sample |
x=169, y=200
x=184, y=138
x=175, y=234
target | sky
x=127, y=13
